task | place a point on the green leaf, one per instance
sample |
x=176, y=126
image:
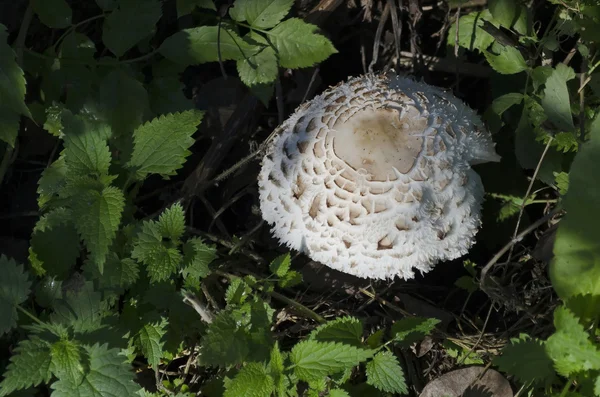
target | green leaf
x=185, y=7
x=346, y=330
x=556, y=101
x=314, y=360
x=276, y=368
x=29, y=366
x=97, y=215
x=384, y=373
x=53, y=13
x=237, y=292
x=132, y=22
x=261, y=14
x=470, y=34
x=527, y=360
x=562, y=182
x=9, y=125
x=107, y=376
x=575, y=268
x=225, y=342
x=297, y=44
x=259, y=68
x=172, y=222
x=161, y=145
x=412, y=329
x=86, y=151
x=166, y=95
x=280, y=265
x=161, y=260
x=81, y=309
x=118, y=273
x=67, y=361
x=52, y=181
x=505, y=59
x=197, y=256
x=12, y=81
x=77, y=46
x=149, y=341
x=506, y=12
x=338, y=393
x=505, y=102
x=253, y=380
x=570, y=347
x=290, y=279
x=14, y=289
x=205, y=44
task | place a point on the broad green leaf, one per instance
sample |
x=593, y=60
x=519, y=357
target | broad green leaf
x=67, y=361
x=161, y=259
x=119, y=273
x=29, y=366
x=197, y=256
x=149, y=341
x=505, y=59
x=562, y=182
x=412, y=329
x=205, y=44
x=12, y=81
x=259, y=68
x=280, y=265
x=161, y=145
x=166, y=95
x=570, y=347
x=575, y=268
x=14, y=289
x=505, y=12
x=107, y=376
x=81, y=309
x=225, y=342
x=384, y=373
x=338, y=393
x=346, y=330
x=297, y=44
x=290, y=279
x=9, y=125
x=129, y=24
x=77, y=46
x=253, y=380
x=97, y=215
x=53, y=13
x=504, y=102
x=527, y=360
x=172, y=222
x=470, y=34
x=51, y=182
x=539, y=75
x=185, y=7
x=261, y=14
x=86, y=151
x=314, y=360
x=556, y=101
x=237, y=292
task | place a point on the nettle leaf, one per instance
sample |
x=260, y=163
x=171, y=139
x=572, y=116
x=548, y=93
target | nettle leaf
x=347, y=330
x=53, y=13
x=556, y=101
x=81, y=309
x=385, y=373
x=562, y=182
x=260, y=68
x=276, y=368
x=12, y=81
x=129, y=24
x=29, y=366
x=314, y=360
x=470, y=34
x=161, y=259
x=9, y=125
x=14, y=289
x=119, y=273
x=225, y=342
x=197, y=256
x=172, y=222
x=297, y=44
x=261, y=14
x=290, y=279
x=97, y=215
x=67, y=361
x=86, y=151
x=149, y=341
x=338, y=393
x=412, y=329
x=205, y=44
x=161, y=145
x=570, y=347
x=281, y=265
x=185, y=7
x=527, y=360
x=107, y=376
x=575, y=268
x=505, y=59
x=505, y=102
x=253, y=380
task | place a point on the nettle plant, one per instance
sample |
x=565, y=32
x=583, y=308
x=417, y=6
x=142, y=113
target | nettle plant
x=556, y=121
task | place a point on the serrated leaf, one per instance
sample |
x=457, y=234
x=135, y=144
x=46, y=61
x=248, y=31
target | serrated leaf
x=81, y=309
x=119, y=273
x=290, y=279
x=385, y=373
x=126, y=26
x=149, y=341
x=412, y=329
x=570, y=347
x=97, y=215
x=172, y=222
x=338, y=393
x=185, y=7
x=260, y=68
x=53, y=13
x=314, y=360
x=528, y=361
x=297, y=44
x=29, y=366
x=9, y=125
x=224, y=344
x=197, y=256
x=14, y=289
x=161, y=145
x=346, y=330
x=237, y=292
x=276, y=363
x=107, y=376
x=575, y=268
x=556, y=101
x=253, y=380
x=506, y=12
x=505, y=102
x=505, y=59
x=67, y=361
x=280, y=265
x=161, y=259
x=205, y=44
x=470, y=34
x=261, y=14
x=86, y=151
x=12, y=81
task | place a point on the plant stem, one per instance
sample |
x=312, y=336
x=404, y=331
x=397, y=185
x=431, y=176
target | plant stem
x=73, y=27
x=31, y=316
x=565, y=389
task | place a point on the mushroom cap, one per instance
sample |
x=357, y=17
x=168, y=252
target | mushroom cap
x=373, y=177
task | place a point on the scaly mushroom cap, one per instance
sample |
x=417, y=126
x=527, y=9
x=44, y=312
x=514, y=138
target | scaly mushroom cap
x=373, y=177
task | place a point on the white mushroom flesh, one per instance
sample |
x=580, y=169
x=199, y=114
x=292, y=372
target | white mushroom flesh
x=373, y=177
